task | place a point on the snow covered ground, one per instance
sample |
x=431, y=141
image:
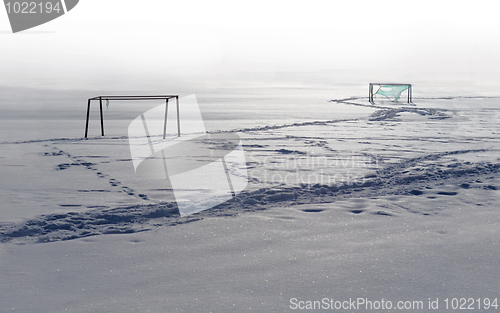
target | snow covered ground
x=390, y=202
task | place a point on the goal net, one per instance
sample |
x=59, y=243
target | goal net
x=390, y=91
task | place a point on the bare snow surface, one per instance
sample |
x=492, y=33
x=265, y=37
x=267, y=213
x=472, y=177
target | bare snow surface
x=399, y=204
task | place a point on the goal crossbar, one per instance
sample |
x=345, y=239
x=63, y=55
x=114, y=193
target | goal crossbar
x=121, y=98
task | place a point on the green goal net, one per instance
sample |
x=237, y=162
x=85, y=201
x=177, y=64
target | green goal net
x=390, y=91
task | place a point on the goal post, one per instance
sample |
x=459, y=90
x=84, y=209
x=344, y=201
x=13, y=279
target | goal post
x=134, y=98
x=387, y=90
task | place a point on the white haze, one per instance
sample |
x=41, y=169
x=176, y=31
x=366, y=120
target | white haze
x=123, y=44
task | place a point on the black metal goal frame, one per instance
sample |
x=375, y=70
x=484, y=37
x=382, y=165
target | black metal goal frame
x=160, y=97
x=370, y=91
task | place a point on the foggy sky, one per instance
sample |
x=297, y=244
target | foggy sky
x=116, y=42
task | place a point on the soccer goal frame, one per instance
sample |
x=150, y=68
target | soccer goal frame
x=134, y=98
x=371, y=94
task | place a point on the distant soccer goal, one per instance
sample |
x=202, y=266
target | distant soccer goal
x=134, y=98
x=390, y=91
